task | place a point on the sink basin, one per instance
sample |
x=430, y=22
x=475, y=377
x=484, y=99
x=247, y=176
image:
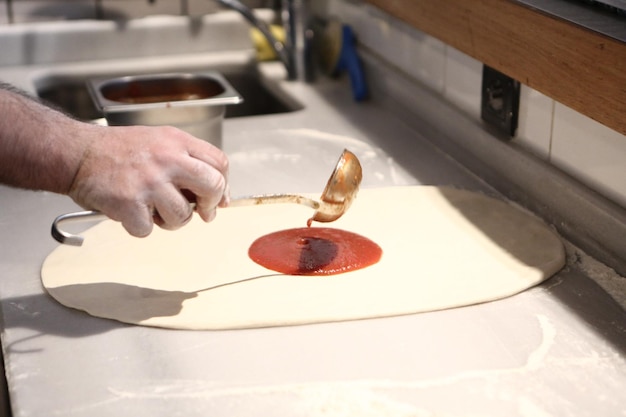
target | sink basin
x=69, y=92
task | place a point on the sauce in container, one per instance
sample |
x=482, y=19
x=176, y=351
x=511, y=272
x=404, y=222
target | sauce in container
x=166, y=89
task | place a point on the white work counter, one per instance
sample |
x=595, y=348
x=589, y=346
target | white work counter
x=555, y=350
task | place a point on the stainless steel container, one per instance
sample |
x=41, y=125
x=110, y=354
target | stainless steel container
x=193, y=102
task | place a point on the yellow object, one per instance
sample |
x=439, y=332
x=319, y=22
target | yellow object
x=330, y=49
x=265, y=52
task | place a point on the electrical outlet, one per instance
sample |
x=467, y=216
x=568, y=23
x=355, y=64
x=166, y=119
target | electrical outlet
x=500, y=101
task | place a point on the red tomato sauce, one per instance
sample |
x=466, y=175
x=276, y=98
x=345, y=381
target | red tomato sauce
x=314, y=251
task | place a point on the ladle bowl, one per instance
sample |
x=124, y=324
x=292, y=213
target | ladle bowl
x=341, y=189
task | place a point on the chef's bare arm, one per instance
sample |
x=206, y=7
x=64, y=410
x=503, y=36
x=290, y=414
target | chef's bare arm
x=134, y=174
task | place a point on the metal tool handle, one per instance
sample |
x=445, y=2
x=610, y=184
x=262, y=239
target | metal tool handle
x=67, y=238
x=77, y=217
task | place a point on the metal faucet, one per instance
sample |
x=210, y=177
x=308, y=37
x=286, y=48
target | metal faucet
x=294, y=52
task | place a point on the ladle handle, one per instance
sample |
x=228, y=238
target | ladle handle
x=274, y=199
x=67, y=238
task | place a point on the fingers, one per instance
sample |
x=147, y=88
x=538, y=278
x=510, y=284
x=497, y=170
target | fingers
x=207, y=181
x=210, y=155
x=171, y=209
x=138, y=222
x=170, y=202
x=139, y=175
x=168, y=209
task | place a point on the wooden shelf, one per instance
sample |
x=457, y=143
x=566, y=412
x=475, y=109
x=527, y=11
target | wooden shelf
x=580, y=68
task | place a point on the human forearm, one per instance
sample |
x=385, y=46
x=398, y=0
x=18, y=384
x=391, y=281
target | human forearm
x=40, y=148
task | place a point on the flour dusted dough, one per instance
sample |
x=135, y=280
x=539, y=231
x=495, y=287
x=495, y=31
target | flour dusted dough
x=442, y=248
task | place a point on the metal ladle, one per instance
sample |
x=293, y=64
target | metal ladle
x=340, y=190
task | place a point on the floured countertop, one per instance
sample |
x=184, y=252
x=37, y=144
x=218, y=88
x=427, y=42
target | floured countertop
x=557, y=349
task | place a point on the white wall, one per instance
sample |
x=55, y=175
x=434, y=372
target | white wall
x=587, y=150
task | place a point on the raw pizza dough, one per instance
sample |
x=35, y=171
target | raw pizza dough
x=442, y=248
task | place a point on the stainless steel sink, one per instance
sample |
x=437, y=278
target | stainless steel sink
x=69, y=92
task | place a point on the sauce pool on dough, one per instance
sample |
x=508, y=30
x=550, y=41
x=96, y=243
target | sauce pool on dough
x=314, y=251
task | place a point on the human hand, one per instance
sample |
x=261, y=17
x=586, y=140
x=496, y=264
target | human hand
x=144, y=175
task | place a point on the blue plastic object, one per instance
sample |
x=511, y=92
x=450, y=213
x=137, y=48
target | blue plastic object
x=349, y=61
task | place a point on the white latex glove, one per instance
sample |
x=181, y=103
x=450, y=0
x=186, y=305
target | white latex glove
x=143, y=175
